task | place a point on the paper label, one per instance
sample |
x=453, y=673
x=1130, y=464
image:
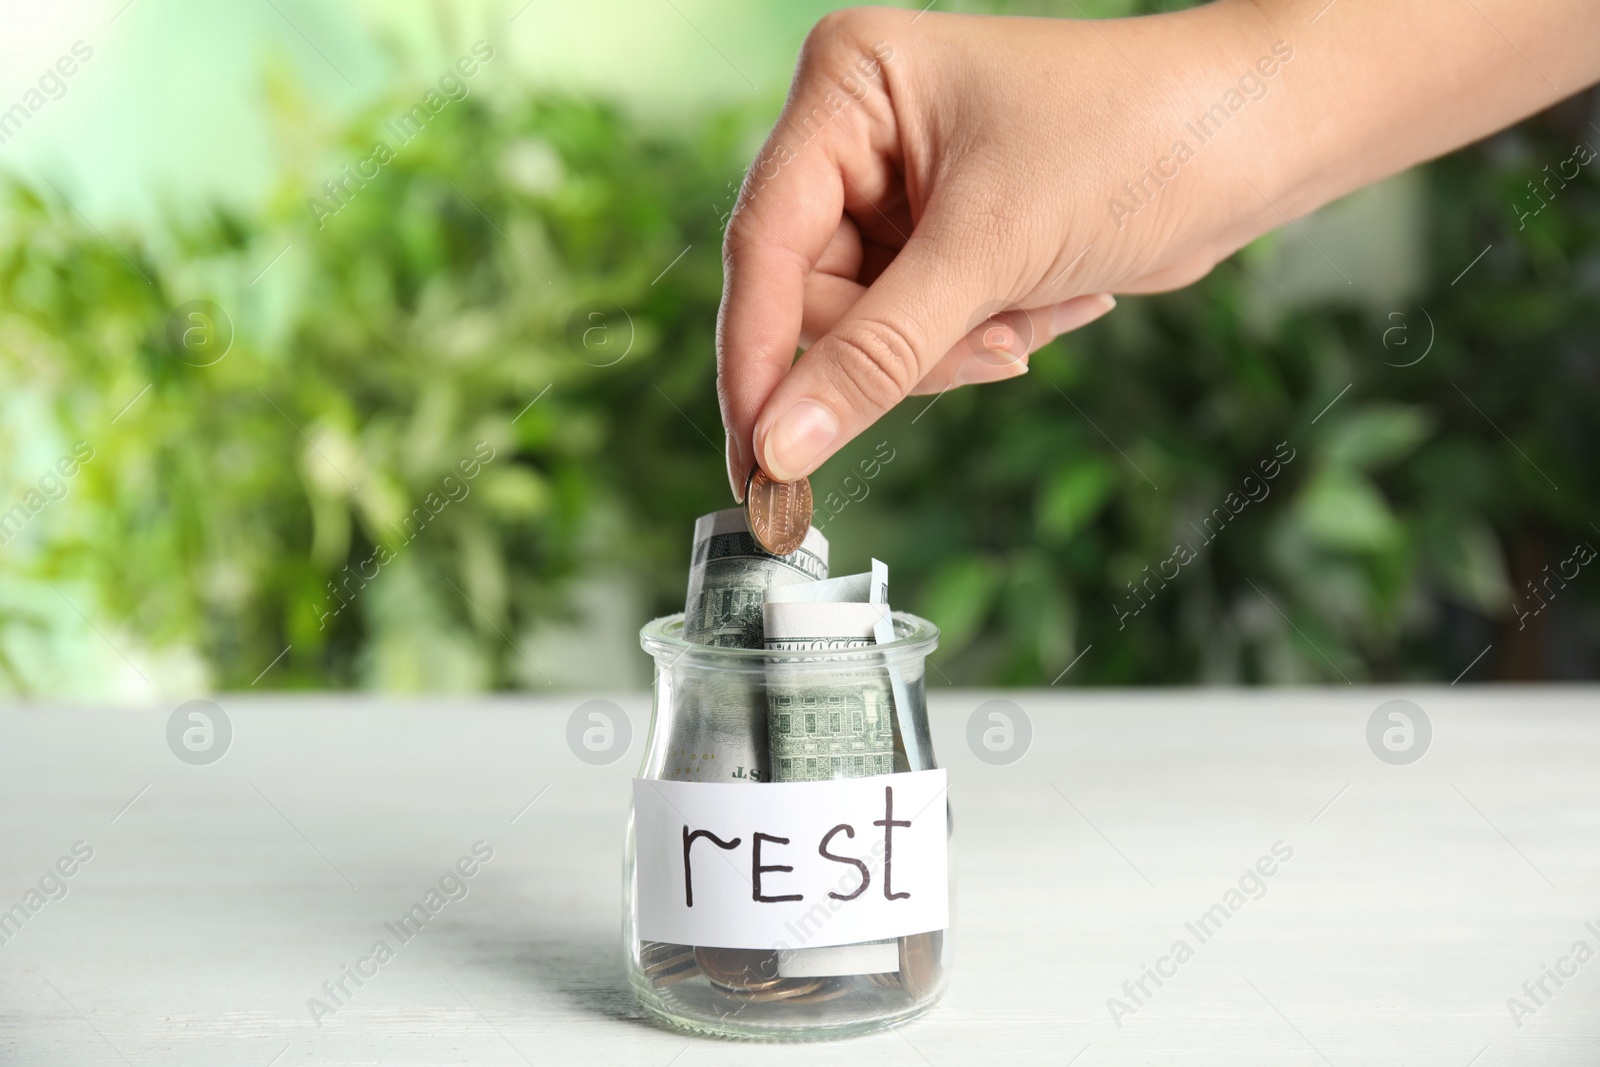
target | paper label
x=790, y=865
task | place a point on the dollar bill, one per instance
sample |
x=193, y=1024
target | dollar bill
x=856, y=605
x=824, y=725
x=730, y=573
x=834, y=724
x=916, y=749
x=868, y=587
x=718, y=730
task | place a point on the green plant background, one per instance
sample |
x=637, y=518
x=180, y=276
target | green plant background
x=426, y=316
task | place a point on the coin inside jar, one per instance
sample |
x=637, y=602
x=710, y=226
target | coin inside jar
x=779, y=513
x=665, y=963
x=919, y=961
x=826, y=990
x=739, y=969
x=793, y=989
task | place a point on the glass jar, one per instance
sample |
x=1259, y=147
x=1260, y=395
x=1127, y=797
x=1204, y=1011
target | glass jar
x=844, y=723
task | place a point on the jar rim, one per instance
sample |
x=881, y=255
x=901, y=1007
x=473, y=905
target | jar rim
x=915, y=638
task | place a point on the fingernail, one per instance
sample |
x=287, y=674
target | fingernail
x=797, y=439
x=737, y=470
x=1080, y=311
x=1003, y=341
x=979, y=370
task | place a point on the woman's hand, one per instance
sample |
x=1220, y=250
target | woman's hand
x=931, y=170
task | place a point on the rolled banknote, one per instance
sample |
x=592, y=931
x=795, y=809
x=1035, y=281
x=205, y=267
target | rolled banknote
x=718, y=728
x=831, y=724
x=730, y=573
x=719, y=723
x=868, y=587
x=856, y=605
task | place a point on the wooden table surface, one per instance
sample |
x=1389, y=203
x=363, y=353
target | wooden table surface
x=218, y=899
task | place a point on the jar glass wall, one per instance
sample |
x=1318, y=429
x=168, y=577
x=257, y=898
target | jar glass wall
x=752, y=716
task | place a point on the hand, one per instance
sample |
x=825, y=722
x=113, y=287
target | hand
x=929, y=169
x=928, y=176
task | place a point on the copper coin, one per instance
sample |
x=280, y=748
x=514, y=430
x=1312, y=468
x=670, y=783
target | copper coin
x=665, y=963
x=676, y=973
x=790, y=989
x=741, y=970
x=779, y=513
x=919, y=962
x=829, y=989
x=653, y=952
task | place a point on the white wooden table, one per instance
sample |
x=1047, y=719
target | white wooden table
x=1418, y=898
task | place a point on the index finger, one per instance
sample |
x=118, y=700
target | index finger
x=788, y=210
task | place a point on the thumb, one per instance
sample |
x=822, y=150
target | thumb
x=875, y=354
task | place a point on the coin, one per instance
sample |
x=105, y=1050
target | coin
x=779, y=513
x=651, y=952
x=739, y=970
x=676, y=973
x=919, y=962
x=830, y=989
x=665, y=963
x=789, y=989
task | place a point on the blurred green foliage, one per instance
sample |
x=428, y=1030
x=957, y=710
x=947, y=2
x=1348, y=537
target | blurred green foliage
x=444, y=306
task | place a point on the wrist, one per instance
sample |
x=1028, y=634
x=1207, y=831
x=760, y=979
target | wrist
x=1208, y=100
x=1243, y=119
x=1372, y=90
